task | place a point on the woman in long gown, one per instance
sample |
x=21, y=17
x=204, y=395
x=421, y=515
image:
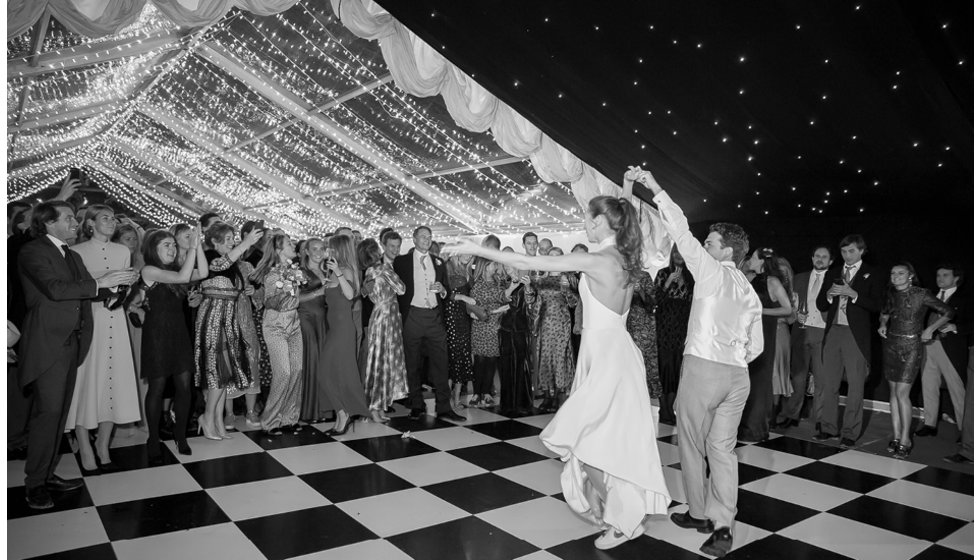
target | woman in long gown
x=167, y=351
x=342, y=389
x=605, y=433
x=105, y=390
x=281, y=281
x=769, y=284
x=901, y=327
x=782, y=386
x=313, y=326
x=674, y=292
x=516, y=394
x=383, y=362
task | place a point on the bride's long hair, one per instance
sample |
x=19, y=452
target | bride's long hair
x=623, y=220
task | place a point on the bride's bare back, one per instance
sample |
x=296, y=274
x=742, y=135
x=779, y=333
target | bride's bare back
x=608, y=281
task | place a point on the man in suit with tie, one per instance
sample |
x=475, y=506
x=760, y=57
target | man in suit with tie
x=425, y=282
x=851, y=298
x=807, y=341
x=56, y=335
x=947, y=358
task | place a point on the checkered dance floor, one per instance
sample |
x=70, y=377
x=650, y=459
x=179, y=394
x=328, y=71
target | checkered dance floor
x=484, y=490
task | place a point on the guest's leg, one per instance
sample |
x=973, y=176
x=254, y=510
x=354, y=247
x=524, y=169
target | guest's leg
x=102, y=441
x=814, y=355
x=18, y=411
x=966, y=448
x=904, y=411
x=954, y=384
x=695, y=396
x=799, y=367
x=856, y=368
x=412, y=339
x=930, y=387
x=435, y=343
x=720, y=505
x=52, y=396
x=831, y=374
x=153, y=405
x=85, y=451
x=182, y=407
x=893, y=408
x=295, y=390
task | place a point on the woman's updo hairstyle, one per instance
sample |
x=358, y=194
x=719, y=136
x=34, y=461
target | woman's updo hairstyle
x=623, y=220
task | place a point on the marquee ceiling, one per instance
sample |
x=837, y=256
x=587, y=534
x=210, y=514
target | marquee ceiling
x=288, y=118
x=746, y=111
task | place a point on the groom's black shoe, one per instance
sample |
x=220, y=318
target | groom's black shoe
x=719, y=543
x=687, y=522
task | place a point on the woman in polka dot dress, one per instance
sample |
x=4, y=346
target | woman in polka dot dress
x=105, y=389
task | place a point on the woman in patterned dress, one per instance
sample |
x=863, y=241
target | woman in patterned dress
x=642, y=326
x=105, y=389
x=550, y=303
x=782, y=387
x=281, y=281
x=221, y=353
x=458, y=325
x=901, y=327
x=488, y=295
x=674, y=292
x=383, y=362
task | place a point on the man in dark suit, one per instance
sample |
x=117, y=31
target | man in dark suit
x=425, y=282
x=56, y=334
x=948, y=358
x=807, y=340
x=851, y=298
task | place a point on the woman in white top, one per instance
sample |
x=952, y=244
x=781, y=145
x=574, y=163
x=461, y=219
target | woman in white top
x=605, y=432
x=105, y=389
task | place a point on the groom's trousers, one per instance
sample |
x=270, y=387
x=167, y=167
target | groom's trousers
x=709, y=403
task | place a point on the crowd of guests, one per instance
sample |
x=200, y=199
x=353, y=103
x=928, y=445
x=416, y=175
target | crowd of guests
x=219, y=320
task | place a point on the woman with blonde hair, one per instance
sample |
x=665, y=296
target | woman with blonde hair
x=343, y=389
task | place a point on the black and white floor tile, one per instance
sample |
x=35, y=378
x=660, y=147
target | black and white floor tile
x=486, y=489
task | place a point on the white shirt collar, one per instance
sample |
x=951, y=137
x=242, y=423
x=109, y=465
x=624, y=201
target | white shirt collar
x=856, y=266
x=949, y=291
x=58, y=243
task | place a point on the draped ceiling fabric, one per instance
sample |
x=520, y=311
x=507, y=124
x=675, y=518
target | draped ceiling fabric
x=804, y=120
x=421, y=71
x=97, y=18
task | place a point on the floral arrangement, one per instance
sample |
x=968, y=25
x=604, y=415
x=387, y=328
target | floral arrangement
x=291, y=278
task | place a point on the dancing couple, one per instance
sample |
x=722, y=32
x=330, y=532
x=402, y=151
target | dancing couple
x=606, y=431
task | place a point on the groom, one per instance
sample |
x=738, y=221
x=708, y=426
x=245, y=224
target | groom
x=724, y=334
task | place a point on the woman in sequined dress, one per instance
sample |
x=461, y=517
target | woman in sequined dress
x=901, y=325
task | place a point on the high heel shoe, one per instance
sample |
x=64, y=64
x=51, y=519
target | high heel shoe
x=349, y=425
x=202, y=429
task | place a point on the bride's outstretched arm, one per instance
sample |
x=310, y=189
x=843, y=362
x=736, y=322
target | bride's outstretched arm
x=572, y=262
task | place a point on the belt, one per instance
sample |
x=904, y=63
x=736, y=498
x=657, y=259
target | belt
x=904, y=335
x=226, y=294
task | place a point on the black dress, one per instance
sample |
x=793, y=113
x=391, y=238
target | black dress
x=673, y=312
x=515, y=375
x=903, y=348
x=458, y=334
x=313, y=327
x=166, y=349
x=755, y=418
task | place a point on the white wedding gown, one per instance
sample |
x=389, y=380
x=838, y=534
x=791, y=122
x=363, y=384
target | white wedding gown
x=606, y=423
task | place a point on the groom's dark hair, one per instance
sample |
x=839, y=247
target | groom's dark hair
x=732, y=235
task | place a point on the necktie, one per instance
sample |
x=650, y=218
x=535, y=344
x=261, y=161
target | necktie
x=842, y=316
x=425, y=279
x=71, y=262
x=942, y=296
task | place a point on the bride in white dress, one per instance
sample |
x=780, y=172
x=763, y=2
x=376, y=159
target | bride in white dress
x=605, y=432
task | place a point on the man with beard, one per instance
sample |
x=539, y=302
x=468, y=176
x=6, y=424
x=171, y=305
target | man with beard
x=807, y=340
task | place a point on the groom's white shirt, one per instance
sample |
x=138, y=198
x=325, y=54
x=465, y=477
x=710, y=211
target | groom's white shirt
x=726, y=313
